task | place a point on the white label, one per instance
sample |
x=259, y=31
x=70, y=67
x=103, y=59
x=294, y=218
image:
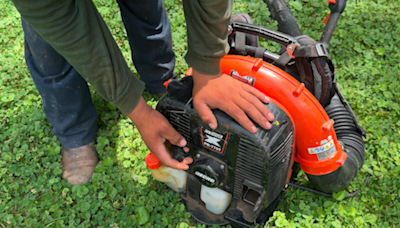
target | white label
x=205, y=177
x=215, y=134
x=321, y=149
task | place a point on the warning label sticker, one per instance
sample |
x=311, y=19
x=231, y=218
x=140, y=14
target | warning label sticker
x=213, y=140
x=323, y=151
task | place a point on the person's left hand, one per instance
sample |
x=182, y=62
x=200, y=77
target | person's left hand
x=158, y=135
x=237, y=99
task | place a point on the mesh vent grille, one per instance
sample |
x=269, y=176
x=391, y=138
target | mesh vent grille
x=181, y=122
x=280, y=159
x=249, y=165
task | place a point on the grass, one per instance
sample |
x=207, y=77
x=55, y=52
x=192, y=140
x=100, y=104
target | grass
x=122, y=193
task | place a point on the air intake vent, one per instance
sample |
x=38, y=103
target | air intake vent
x=280, y=159
x=249, y=165
x=180, y=120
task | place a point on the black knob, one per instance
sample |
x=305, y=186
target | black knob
x=208, y=172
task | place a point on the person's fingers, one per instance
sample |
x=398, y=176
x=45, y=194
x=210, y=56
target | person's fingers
x=172, y=163
x=260, y=95
x=252, y=96
x=205, y=113
x=167, y=160
x=256, y=110
x=170, y=134
x=159, y=149
x=187, y=160
x=240, y=116
x=254, y=113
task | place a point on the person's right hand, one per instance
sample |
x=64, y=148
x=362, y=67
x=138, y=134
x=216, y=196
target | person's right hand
x=157, y=133
x=237, y=99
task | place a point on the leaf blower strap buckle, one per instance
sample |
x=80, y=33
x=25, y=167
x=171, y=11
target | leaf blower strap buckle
x=317, y=50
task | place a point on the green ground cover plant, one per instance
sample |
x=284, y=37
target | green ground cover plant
x=365, y=49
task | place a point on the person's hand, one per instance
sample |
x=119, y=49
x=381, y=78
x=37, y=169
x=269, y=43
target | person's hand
x=237, y=99
x=157, y=133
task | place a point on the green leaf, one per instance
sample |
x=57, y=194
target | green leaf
x=188, y=215
x=328, y=204
x=339, y=195
x=336, y=224
x=102, y=194
x=80, y=190
x=55, y=150
x=33, y=211
x=111, y=106
x=183, y=225
x=108, y=161
x=127, y=163
x=281, y=222
x=57, y=171
x=112, y=192
x=85, y=206
x=371, y=218
x=296, y=5
x=180, y=207
x=103, y=141
x=380, y=50
x=7, y=157
x=353, y=212
x=142, y=215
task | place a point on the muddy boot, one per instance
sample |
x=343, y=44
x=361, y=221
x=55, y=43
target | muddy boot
x=78, y=164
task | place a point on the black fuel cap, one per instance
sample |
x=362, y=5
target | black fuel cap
x=208, y=172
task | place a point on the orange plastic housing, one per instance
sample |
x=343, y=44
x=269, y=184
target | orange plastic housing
x=317, y=149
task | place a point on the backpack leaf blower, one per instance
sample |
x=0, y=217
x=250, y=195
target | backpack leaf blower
x=237, y=177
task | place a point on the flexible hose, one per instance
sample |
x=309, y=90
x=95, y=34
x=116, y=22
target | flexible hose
x=351, y=139
x=280, y=11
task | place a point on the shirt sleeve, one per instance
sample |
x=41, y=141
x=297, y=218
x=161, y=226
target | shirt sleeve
x=77, y=31
x=207, y=28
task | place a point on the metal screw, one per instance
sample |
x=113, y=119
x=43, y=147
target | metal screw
x=290, y=48
x=230, y=30
x=197, y=155
x=222, y=167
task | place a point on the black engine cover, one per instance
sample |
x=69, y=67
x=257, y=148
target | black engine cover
x=252, y=167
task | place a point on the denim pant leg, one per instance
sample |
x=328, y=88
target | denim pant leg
x=149, y=34
x=66, y=97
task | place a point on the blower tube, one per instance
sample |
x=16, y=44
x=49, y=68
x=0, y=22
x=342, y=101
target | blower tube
x=347, y=131
x=280, y=12
x=350, y=137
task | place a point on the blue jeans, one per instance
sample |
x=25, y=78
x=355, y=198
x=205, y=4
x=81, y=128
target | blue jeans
x=66, y=97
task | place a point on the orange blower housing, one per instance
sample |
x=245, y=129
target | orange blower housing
x=317, y=149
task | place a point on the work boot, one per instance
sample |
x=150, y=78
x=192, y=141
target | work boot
x=78, y=164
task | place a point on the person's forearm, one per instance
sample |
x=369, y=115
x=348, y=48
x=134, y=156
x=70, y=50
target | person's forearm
x=76, y=30
x=207, y=26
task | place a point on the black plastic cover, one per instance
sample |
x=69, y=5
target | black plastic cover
x=230, y=158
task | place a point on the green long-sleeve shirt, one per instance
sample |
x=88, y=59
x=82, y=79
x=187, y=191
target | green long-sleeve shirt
x=76, y=30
